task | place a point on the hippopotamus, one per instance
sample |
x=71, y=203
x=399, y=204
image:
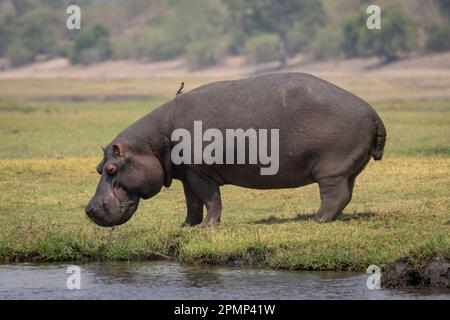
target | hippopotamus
x=326, y=135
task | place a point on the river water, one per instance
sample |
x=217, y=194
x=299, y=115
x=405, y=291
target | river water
x=170, y=280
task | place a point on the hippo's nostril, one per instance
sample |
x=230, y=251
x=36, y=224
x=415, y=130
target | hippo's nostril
x=89, y=211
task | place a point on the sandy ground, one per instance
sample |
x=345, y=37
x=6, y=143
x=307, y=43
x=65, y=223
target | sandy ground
x=231, y=67
x=420, y=77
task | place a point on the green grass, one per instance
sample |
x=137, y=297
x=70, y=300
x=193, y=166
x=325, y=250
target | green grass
x=48, y=153
x=52, y=129
x=48, y=129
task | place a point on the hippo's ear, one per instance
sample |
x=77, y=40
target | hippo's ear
x=166, y=163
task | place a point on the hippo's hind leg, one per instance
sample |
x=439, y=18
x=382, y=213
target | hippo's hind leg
x=335, y=194
x=194, y=207
x=208, y=191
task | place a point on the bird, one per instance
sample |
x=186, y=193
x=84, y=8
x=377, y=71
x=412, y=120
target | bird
x=180, y=91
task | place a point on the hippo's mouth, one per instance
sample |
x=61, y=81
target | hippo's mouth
x=114, y=206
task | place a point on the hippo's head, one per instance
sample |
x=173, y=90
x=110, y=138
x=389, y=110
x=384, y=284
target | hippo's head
x=127, y=175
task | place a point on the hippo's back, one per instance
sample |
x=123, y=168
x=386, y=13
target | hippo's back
x=270, y=101
x=321, y=126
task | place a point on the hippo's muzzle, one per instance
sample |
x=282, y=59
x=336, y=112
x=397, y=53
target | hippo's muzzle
x=111, y=206
x=102, y=214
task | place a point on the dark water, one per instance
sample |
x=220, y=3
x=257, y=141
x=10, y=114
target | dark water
x=167, y=280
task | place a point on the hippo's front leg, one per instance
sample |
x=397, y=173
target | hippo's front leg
x=208, y=191
x=194, y=206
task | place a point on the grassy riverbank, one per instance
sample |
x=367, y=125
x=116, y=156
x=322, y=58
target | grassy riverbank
x=403, y=214
x=48, y=153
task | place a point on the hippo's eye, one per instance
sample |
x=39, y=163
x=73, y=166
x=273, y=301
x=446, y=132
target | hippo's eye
x=117, y=151
x=111, y=169
x=100, y=167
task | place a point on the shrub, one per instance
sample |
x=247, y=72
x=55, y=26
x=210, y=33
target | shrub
x=161, y=45
x=237, y=39
x=439, y=38
x=35, y=31
x=18, y=55
x=352, y=31
x=88, y=56
x=126, y=47
x=21, y=40
x=63, y=49
x=397, y=35
x=205, y=53
x=37, y=37
x=91, y=45
x=298, y=39
x=326, y=44
x=262, y=48
x=156, y=43
x=6, y=35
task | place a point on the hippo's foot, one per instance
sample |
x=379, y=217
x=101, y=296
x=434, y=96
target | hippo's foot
x=320, y=219
x=192, y=220
x=187, y=224
x=208, y=224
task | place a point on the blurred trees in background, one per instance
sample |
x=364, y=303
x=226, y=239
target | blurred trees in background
x=29, y=36
x=445, y=6
x=91, y=45
x=205, y=31
x=397, y=35
x=439, y=33
x=439, y=38
x=294, y=23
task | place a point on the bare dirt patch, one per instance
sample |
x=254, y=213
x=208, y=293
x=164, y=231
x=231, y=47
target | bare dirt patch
x=405, y=273
x=420, y=77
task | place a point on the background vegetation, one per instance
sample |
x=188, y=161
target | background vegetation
x=206, y=31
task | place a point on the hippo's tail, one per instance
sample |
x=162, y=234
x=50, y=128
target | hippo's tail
x=380, y=139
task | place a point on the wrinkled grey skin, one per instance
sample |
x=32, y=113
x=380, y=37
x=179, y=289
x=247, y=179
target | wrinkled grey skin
x=327, y=136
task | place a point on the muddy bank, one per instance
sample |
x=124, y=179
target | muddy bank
x=406, y=273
